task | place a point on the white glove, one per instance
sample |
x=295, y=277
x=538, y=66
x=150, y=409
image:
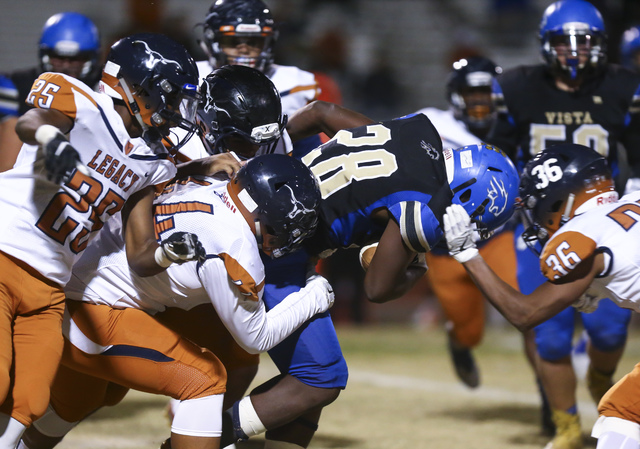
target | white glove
x=460, y=234
x=320, y=292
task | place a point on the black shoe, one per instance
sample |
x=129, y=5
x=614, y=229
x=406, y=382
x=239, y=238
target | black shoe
x=464, y=363
x=548, y=426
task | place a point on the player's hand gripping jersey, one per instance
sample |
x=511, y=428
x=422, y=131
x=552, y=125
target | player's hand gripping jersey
x=231, y=277
x=396, y=165
x=609, y=229
x=59, y=221
x=605, y=111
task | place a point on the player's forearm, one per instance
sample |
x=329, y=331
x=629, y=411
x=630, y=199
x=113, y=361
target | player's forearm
x=378, y=290
x=259, y=331
x=29, y=123
x=323, y=117
x=512, y=304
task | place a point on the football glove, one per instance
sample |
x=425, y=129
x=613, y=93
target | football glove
x=460, y=233
x=60, y=158
x=319, y=290
x=179, y=247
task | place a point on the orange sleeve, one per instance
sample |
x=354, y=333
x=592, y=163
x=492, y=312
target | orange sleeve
x=241, y=278
x=54, y=91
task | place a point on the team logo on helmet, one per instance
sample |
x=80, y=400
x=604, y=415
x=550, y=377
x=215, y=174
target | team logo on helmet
x=498, y=197
x=155, y=57
x=298, y=210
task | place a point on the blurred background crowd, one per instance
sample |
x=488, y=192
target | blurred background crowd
x=387, y=58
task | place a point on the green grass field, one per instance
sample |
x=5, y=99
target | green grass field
x=402, y=393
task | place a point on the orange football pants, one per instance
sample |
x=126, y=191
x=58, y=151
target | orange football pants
x=623, y=399
x=144, y=355
x=31, y=309
x=463, y=304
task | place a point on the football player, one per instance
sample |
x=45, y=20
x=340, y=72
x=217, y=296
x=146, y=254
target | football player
x=270, y=205
x=630, y=48
x=470, y=88
x=574, y=97
x=87, y=156
x=384, y=188
x=69, y=44
x=589, y=252
x=243, y=32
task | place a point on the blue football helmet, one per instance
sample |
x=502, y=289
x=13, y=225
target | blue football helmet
x=157, y=79
x=279, y=197
x=233, y=22
x=630, y=48
x=484, y=181
x=560, y=182
x=74, y=36
x=473, y=78
x=570, y=28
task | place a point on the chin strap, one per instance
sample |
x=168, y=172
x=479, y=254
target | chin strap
x=133, y=106
x=566, y=215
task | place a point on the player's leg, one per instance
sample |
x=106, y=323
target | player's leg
x=130, y=348
x=607, y=328
x=463, y=307
x=203, y=326
x=554, y=340
x=37, y=346
x=618, y=425
x=74, y=396
x=529, y=277
x=311, y=361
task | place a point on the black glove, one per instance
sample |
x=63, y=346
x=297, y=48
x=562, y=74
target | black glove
x=180, y=247
x=61, y=159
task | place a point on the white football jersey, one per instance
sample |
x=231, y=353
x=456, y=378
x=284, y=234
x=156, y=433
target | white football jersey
x=297, y=87
x=47, y=225
x=453, y=132
x=611, y=229
x=231, y=277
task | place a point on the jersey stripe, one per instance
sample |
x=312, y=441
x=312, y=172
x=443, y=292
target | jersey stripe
x=411, y=227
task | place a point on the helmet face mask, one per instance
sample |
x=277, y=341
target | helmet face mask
x=485, y=182
x=70, y=43
x=278, y=197
x=240, y=111
x=573, y=40
x=156, y=78
x=560, y=182
x=239, y=32
x=470, y=91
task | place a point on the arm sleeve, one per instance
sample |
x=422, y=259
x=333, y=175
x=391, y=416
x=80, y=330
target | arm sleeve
x=253, y=328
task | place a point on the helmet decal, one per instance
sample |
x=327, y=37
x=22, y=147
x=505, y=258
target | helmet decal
x=498, y=197
x=154, y=57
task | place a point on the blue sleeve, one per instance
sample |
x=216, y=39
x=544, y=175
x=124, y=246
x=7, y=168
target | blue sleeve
x=419, y=227
x=8, y=98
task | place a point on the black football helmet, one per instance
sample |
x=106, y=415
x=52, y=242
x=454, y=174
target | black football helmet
x=241, y=102
x=559, y=183
x=279, y=197
x=157, y=80
x=232, y=22
x=471, y=76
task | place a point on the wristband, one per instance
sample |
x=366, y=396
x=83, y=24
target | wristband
x=161, y=258
x=466, y=255
x=46, y=133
